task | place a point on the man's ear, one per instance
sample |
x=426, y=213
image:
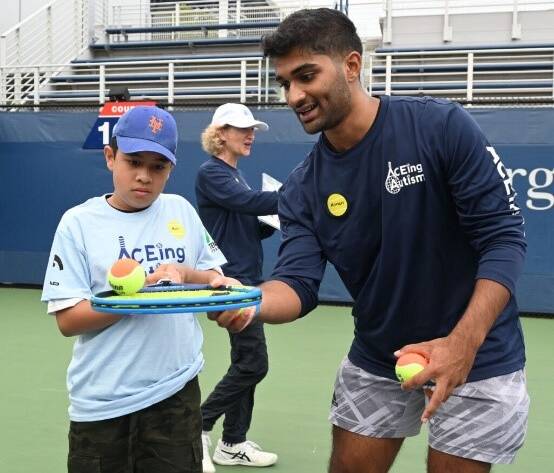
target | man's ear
x=353, y=66
x=110, y=157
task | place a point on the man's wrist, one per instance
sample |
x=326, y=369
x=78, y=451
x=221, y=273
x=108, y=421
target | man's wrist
x=466, y=338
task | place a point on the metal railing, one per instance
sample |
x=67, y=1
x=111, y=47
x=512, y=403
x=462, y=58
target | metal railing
x=470, y=75
x=56, y=33
x=439, y=7
x=199, y=12
x=172, y=81
x=473, y=76
x=62, y=29
x=36, y=53
x=143, y=13
x=448, y=8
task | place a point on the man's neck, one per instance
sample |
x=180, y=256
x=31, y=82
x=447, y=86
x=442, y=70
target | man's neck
x=355, y=125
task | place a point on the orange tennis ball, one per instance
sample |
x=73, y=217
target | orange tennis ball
x=409, y=365
x=126, y=276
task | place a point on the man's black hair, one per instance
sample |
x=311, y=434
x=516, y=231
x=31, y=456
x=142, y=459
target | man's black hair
x=320, y=31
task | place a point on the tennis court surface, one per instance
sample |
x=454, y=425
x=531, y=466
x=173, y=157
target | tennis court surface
x=290, y=416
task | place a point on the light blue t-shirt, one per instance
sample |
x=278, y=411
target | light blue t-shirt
x=139, y=360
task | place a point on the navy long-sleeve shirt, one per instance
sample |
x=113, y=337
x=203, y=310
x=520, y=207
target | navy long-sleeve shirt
x=229, y=209
x=429, y=210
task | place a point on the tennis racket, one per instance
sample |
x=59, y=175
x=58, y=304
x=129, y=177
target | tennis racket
x=177, y=298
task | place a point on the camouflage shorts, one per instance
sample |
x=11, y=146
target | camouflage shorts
x=163, y=438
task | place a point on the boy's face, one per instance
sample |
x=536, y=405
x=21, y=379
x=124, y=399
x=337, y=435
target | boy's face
x=138, y=178
x=315, y=87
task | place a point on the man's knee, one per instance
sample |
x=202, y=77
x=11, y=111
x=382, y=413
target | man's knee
x=355, y=453
x=341, y=463
x=439, y=462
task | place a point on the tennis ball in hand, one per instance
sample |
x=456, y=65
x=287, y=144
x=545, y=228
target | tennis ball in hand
x=126, y=276
x=409, y=365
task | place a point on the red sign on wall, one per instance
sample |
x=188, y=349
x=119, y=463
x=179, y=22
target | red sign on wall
x=101, y=131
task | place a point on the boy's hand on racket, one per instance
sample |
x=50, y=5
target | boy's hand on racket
x=220, y=280
x=450, y=361
x=165, y=272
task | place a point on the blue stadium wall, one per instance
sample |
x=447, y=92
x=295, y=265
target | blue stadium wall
x=44, y=170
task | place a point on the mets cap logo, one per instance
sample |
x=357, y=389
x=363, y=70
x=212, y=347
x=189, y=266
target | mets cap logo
x=155, y=124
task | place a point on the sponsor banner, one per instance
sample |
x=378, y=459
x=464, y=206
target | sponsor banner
x=534, y=186
x=45, y=151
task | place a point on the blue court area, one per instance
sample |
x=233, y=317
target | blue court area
x=290, y=416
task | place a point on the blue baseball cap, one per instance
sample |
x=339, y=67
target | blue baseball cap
x=147, y=128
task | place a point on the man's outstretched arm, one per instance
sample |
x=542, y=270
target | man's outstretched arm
x=280, y=304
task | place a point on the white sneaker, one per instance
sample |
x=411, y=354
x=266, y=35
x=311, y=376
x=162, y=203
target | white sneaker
x=207, y=465
x=245, y=453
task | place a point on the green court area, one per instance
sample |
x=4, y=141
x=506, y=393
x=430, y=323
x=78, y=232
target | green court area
x=292, y=403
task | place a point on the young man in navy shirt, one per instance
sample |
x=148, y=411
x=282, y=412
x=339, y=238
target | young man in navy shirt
x=413, y=207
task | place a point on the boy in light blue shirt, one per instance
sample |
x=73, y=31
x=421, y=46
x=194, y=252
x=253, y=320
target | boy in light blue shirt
x=132, y=381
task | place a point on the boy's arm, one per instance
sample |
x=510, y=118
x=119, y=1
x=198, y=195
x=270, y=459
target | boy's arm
x=81, y=318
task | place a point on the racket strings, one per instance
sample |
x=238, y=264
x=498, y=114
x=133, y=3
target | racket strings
x=184, y=305
x=183, y=298
x=189, y=292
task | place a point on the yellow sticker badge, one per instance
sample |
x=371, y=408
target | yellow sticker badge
x=337, y=205
x=176, y=229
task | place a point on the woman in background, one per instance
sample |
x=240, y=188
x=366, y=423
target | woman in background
x=229, y=209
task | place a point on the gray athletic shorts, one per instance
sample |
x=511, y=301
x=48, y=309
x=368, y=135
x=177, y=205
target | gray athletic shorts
x=484, y=420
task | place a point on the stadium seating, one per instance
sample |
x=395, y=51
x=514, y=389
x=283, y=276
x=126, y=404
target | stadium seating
x=170, y=47
x=205, y=65
x=142, y=94
x=203, y=28
x=188, y=43
x=171, y=57
x=458, y=47
x=153, y=76
x=516, y=72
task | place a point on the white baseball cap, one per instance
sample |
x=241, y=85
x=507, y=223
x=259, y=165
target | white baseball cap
x=237, y=115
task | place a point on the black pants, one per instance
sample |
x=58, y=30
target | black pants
x=162, y=438
x=233, y=396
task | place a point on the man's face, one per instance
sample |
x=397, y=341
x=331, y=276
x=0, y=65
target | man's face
x=138, y=178
x=315, y=88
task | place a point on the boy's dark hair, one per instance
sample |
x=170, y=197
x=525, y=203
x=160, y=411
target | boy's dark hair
x=113, y=144
x=320, y=30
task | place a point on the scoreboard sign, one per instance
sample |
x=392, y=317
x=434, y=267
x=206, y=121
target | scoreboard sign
x=102, y=129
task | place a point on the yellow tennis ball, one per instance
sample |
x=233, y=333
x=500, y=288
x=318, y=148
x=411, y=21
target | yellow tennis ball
x=409, y=365
x=126, y=276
